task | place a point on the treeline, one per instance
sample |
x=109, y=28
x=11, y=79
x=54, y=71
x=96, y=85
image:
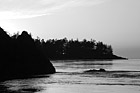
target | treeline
x=57, y=49
x=74, y=49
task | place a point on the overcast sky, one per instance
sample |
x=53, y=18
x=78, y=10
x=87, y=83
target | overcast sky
x=115, y=22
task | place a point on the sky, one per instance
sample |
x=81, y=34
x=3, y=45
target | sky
x=114, y=22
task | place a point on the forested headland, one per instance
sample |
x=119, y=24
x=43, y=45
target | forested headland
x=57, y=49
x=64, y=49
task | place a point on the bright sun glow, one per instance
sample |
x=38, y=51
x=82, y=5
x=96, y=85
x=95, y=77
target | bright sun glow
x=8, y=26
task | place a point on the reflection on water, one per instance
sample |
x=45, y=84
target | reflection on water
x=121, y=76
x=21, y=86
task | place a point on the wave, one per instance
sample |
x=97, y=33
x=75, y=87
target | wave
x=108, y=74
x=113, y=74
x=118, y=84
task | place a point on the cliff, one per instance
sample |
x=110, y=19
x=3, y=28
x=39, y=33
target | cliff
x=19, y=57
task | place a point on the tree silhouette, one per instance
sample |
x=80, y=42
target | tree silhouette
x=75, y=49
x=71, y=49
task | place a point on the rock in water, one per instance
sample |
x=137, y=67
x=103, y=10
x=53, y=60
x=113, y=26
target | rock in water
x=21, y=58
x=94, y=70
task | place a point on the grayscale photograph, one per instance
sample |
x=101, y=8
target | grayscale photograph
x=69, y=46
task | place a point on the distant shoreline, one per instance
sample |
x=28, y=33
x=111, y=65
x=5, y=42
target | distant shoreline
x=91, y=59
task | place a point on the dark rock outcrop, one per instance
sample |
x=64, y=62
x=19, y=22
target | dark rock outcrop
x=94, y=70
x=19, y=57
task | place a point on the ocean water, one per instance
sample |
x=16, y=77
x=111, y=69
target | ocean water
x=121, y=76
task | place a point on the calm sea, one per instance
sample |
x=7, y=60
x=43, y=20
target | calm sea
x=121, y=76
